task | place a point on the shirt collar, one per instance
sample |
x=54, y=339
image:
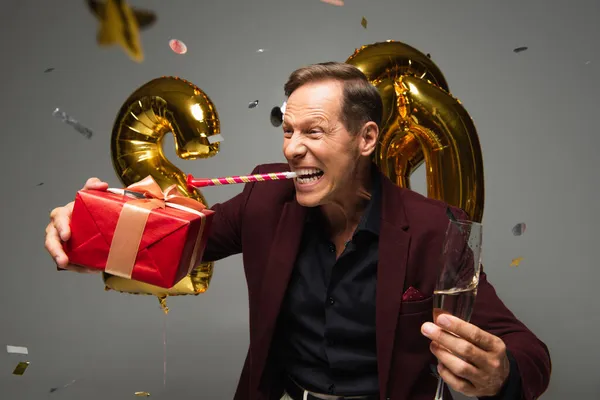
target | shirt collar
x=371, y=218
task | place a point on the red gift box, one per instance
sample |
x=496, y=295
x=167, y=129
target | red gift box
x=139, y=233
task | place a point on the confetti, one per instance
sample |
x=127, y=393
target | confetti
x=64, y=117
x=215, y=138
x=520, y=49
x=253, y=104
x=120, y=25
x=40, y=184
x=16, y=349
x=516, y=261
x=54, y=389
x=363, y=22
x=49, y=70
x=142, y=394
x=21, y=367
x=177, y=46
x=587, y=62
x=334, y=2
x=428, y=55
x=519, y=229
x=276, y=116
x=261, y=50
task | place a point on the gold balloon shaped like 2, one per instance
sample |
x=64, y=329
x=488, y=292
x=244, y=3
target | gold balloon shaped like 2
x=423, y=122
x=161, y=106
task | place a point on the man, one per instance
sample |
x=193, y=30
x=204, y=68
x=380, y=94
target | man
x=331, y=260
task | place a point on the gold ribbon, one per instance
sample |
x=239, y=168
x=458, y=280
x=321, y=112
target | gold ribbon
x=132, y=222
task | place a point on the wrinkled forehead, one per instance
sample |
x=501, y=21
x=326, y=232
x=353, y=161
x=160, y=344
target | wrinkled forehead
x=318, y=101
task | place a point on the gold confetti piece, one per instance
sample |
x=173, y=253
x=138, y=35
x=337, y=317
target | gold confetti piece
x=120, y=25
x=163, y=304
x=142, y=394
x=363, y=22
x=21, y=367
x=516, y=261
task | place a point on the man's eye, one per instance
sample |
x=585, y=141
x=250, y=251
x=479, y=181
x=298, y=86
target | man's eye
x=315, y=131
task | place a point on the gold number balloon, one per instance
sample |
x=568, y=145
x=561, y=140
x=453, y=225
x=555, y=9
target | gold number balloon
x=422, y=122
x=161, y=106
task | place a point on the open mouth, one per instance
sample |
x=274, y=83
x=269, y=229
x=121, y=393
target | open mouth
x=308, y=175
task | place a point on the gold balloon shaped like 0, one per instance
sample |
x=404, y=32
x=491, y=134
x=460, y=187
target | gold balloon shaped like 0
x=161, y=106
x=423, y=122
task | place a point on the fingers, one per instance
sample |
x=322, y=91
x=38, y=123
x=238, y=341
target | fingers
x=82, y=270
x=53, y=246
x=455, y=382
x=456, y=345
x=60, y=218
x=457, y=366
x=96, y=184
x=467, y=331
x=58, y=231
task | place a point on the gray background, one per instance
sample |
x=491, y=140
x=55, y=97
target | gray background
x=534, y=111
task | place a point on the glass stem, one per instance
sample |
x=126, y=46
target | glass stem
x=439, y=392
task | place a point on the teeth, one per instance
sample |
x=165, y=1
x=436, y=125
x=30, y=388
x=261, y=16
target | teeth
x=307, y=180
x=307, y=171
x=307, y=175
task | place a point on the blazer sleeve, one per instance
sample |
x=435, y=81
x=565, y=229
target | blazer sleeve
x=225, y=237
x=530, y=353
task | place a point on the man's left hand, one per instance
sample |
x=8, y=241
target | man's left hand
x=474, y=362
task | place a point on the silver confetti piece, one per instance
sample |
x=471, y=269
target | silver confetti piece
x=215, y=138
x=54, y=389
x=253, y=104
x=67, y=119
x=520, y=49
x=519, y=229
x=16, y=349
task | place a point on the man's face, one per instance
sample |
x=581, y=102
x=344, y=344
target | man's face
x=317, y=145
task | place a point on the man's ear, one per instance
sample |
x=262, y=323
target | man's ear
x=368, y=138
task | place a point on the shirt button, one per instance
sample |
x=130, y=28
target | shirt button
x=332, y=248
x=331, y=301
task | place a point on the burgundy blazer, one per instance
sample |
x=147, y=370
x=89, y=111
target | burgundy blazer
x=265, y=224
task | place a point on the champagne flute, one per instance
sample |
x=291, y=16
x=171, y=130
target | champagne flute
x=458, y=279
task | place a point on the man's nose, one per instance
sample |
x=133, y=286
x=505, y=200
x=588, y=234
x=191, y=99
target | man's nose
x=295, y=147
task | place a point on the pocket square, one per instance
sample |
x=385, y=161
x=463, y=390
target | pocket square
x=412, y=294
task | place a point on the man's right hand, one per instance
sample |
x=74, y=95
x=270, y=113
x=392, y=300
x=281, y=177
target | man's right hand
x=59, y=231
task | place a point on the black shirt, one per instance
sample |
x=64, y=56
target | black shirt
x=325, y=337
x=327, y=323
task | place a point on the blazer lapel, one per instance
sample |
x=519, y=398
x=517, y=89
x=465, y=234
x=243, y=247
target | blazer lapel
x=282, y=256
x=394, y=242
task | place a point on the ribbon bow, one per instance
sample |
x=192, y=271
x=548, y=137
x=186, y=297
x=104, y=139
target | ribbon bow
x=171, y=195
x=132, y=221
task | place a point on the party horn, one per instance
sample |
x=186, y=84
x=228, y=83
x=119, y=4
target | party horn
x=229, y=180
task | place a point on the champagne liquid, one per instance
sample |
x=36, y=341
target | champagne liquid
x=455, y=301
